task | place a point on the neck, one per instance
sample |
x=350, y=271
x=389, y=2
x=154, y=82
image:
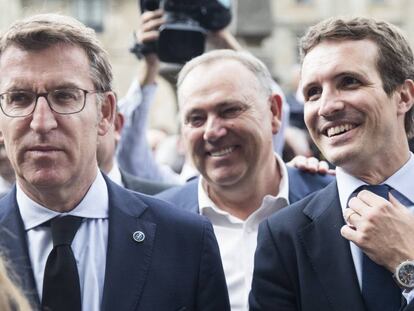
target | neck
x=243, y=199
x=376, y=172
x=59, y=198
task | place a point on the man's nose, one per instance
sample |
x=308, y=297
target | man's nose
x=330, y=103
x=43, y=118
x=214, y=129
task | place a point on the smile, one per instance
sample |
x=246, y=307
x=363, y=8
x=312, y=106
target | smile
x=222, y=152
x=339, y=129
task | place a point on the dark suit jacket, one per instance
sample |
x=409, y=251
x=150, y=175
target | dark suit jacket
x=302, y=262
x=300, y=185
x=145, y=186
x=176, y=267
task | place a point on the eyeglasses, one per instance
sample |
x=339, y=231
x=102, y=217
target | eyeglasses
x=16, y=104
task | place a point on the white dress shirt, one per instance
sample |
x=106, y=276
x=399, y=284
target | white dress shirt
x=89, y=245
x=347, y=184
x=237, y=239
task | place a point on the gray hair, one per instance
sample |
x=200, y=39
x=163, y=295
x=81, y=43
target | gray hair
x=44, y=30
x=246, y=59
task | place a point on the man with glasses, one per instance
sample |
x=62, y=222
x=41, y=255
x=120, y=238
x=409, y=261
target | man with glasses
x=76, y=240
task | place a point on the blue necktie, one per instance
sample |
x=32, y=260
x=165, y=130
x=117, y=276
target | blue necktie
x=379, y=290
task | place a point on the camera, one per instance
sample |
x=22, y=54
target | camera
x=183, y=35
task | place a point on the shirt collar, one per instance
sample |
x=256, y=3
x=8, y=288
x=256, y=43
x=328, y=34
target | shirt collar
x=267, y=207
x=115, y=174
x=93, y=205
x=400, y=181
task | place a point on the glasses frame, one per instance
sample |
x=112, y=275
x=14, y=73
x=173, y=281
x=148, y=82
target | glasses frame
x=45, y=94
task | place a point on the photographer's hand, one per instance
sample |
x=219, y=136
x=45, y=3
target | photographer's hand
x=148, y=33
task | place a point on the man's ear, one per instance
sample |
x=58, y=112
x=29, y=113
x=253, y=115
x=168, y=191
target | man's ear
x=276, y=109
x=107, y=113
x=118, y=125
x=406, y=99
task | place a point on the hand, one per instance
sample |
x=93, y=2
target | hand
x=311, y=165
x=150, y=23
x=148, y=33
x=384, y=230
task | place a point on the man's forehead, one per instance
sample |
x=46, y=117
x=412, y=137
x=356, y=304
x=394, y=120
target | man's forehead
x=48, y=67
x=331, y=57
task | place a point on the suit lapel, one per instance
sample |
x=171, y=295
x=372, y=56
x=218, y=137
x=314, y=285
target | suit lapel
x=127, y=261
x=329, y=252
x=14, y=246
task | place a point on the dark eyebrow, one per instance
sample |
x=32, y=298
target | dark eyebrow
x=340, y=75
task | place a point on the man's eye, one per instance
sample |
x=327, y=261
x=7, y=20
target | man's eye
x=313, y=93
x=349, y=82
x=232, y=112
x=195, y=120
x=65, y=95
x=20, y=98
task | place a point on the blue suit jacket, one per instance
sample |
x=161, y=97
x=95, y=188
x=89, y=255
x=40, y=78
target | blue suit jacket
x=177, y=266
x=303, y=263
x=300, y=185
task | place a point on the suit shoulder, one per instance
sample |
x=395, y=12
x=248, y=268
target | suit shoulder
x=177, y=192
x=170, y=212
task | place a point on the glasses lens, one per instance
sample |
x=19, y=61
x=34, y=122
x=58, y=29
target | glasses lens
x=67, y=100
x=17, y=103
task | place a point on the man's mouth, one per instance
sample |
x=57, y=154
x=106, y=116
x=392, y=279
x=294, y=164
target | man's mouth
x=339, y=129
x=222, y=152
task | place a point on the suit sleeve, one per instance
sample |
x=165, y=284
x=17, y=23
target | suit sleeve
x=212, y=289
x=272, y=287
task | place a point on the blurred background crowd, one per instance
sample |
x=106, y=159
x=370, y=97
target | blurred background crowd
x=268, y=28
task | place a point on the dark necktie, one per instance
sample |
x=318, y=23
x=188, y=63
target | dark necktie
x=61, y=289
x=379, y=290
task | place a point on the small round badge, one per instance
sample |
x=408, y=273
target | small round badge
x=138, y=236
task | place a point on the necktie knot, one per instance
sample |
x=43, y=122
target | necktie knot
x=64, y=229
x=381, y=190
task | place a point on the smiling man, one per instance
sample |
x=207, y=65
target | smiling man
x=229, y=113
x=74, y=239
x=320, y=254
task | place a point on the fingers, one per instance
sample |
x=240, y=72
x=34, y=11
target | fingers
x=150, y=23
x=349, y=233
x=352, y=218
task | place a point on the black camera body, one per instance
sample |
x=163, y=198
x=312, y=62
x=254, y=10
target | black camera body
x=183, y=35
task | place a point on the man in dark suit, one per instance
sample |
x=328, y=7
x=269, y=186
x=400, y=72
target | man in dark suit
x=74, y=239
x=338, y=248
x=227, y=125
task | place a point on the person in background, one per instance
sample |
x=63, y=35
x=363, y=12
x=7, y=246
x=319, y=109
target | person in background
x=108, y=164
x=133, y=154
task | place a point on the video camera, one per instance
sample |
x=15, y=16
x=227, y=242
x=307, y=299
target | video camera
x=182, y=36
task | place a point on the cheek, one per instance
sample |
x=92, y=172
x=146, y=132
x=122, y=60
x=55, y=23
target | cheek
x=310, y=117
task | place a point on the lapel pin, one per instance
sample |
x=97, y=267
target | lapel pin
x=138, y=236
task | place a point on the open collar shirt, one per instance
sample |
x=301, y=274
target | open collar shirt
x=237, y=239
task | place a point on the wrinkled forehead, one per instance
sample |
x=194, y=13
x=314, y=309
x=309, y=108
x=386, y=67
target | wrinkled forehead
x=211, y=77
x=34, y=69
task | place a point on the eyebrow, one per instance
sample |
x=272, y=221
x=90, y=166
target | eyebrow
x=24, y=86
x=339, y=75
